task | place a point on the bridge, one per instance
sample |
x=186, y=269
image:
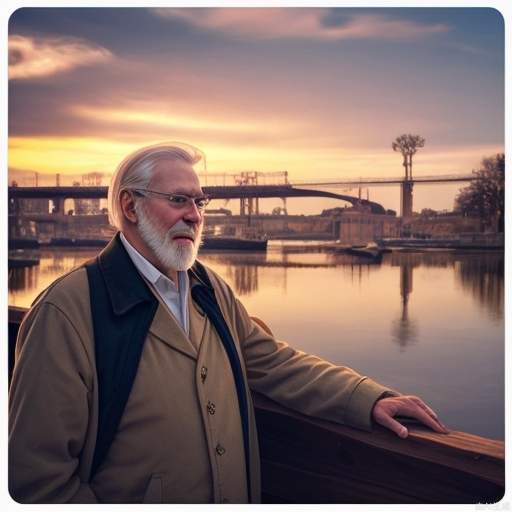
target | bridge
x=355, y=182
x=29, y=205
x=59, y=194
x=406, y=183
x=247, y=187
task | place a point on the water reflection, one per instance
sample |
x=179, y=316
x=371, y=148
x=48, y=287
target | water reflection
x=245, y=278
x=242, y=268
x=404, y=330
x=483, y=277
x=23, y=278
x=438, y=259
x=479, y=274
x=339, y=307
x=26, y=283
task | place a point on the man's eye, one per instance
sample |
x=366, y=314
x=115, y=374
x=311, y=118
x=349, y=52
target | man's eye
x=201, y=203
x=178, y=199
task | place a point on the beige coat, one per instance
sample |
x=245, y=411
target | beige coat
x=180, y=438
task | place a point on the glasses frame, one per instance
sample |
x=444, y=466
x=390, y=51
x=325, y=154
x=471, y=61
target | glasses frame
x=170, y=195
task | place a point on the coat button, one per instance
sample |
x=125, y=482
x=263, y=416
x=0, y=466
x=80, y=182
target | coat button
x=210, y=407
x=204, y=373
x=220, y=449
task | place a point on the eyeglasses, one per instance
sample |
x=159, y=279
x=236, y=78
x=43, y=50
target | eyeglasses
x=177, y=200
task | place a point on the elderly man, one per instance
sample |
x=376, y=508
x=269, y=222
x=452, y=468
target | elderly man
x=133, y=373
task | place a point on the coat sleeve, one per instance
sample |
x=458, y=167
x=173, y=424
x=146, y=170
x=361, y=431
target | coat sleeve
x=303, y=382
x=49, y=402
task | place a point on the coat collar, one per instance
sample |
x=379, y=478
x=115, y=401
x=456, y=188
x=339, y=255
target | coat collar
x=126, y=287
x=195, y=276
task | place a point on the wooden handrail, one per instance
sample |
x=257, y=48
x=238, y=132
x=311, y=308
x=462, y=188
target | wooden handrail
x=307, y=460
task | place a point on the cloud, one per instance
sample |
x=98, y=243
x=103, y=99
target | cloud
x=300, y=23
x=32, y=57
x=157, y=117
x=467, y=48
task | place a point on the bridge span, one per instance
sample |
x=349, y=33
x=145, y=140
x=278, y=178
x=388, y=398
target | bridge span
x=248, y=187
x=59, y=194
x=356, y=182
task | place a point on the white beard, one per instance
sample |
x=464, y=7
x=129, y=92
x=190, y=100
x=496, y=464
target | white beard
x=170, y=254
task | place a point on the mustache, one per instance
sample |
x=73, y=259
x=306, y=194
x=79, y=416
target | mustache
x=181, y=228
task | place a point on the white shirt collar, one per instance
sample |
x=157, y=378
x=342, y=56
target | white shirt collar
x=173, y=294
x=147, y=269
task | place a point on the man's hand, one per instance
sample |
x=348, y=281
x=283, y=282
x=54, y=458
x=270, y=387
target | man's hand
x=412, y=406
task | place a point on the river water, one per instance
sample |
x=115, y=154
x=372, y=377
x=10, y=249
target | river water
x=429, y=324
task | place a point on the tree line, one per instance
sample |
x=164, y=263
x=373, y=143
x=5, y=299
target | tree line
x=485, y=196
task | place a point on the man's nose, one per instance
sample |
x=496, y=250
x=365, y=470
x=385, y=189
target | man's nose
x=193, y=214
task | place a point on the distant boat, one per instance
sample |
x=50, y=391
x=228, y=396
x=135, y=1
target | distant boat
x=22, y=262
x=214, y=243
x=231, y=243
x=23, y=243
x=370, y=252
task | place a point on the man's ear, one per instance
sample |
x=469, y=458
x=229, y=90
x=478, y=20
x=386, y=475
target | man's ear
x=127, y=202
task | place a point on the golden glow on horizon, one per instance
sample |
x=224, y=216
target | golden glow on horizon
x=71, y=155
x=66, y=155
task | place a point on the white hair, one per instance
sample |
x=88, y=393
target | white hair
x=137, y=169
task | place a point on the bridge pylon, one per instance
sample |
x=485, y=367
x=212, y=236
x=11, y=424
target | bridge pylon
x=248, y=205
x=406, y=199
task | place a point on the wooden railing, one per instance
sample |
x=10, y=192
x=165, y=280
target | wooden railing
x=306, y=460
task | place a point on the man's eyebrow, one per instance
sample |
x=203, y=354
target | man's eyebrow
x=184, y=192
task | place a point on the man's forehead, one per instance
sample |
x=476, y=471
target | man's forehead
x=175, y=172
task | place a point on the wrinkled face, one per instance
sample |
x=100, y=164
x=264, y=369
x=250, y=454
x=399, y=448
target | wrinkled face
x=172, y=233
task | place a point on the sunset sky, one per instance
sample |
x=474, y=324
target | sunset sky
x=320, y=93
